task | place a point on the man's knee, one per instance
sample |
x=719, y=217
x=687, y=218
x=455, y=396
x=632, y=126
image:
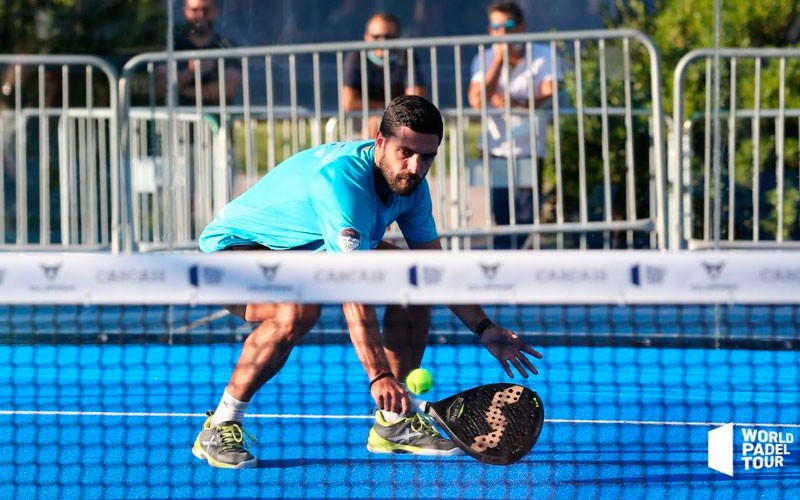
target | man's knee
x=289, y=320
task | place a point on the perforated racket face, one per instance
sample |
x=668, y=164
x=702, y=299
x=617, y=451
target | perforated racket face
x=496, y=423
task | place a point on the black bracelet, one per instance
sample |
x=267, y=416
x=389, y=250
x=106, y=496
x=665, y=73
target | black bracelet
x=485, y=324
x=380, y=376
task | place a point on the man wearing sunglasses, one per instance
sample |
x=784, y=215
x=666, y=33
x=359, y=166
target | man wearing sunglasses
x=199, y=33
x=512, y=138
x=379, y=28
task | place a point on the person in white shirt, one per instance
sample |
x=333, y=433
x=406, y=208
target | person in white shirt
x=512, y=139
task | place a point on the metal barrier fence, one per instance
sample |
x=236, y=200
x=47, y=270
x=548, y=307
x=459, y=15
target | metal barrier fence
x=739, y=182
x=199, y=171
x=603, y=179
x=63, y=137
x=59, y=185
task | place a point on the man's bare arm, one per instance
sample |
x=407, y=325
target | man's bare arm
x=490, y=78
x=362, y=322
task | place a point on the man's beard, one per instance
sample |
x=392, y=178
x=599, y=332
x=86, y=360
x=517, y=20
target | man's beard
x=403, y=184
x=201, y=27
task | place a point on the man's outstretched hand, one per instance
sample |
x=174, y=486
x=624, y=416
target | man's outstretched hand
x=509, y=349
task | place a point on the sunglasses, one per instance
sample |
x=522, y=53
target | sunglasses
x=507, y=25
x=383, y=36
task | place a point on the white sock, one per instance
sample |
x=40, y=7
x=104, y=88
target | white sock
x=390, y=416
x=230, y=409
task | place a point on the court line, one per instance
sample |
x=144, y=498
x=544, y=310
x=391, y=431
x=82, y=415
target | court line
x=366, y=417
x=203, y=321
x=666, y=423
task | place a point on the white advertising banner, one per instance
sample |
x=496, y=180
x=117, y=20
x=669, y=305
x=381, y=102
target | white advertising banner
x=403, y=277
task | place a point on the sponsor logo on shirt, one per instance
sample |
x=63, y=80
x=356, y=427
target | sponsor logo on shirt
x=349, y=239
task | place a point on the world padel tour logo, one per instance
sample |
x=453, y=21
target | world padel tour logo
x=424, y=275
x=269, y=275
x=50, y=271
x=53, y=282
x=757, y=449
x=715, y=277
x=269, y=272
x=205, y=275
x=490, y=271
x=642, y=275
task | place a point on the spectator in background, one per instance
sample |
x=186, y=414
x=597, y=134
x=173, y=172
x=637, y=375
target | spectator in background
x=379, y=27
x=512, y=140
x=198, y=33
x=198, y=158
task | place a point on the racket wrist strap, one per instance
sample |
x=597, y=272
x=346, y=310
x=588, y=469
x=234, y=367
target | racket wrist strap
x=484, y=325
x=378, y=377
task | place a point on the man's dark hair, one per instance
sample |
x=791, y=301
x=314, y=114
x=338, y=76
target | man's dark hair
x=511, y=9
x=387, y=18
x=414, y=112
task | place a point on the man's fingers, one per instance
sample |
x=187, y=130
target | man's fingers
x=406, y=406
x=529, y=365
x=507, y=368
x=518, y=366
x=387, y=403
x=510, y=351
x=530, y=350
x=401, y=402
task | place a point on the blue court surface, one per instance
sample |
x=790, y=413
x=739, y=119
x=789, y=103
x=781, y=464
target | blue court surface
x=118, y=421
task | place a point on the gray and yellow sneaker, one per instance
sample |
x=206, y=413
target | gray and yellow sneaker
x=223, y=445
x=411, y=434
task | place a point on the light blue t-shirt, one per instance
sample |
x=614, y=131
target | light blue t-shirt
x=321, y=199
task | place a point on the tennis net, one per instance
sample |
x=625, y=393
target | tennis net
x=111, y=360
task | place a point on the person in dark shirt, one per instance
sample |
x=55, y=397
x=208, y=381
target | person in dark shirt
x=379, y=27
x=198, y=33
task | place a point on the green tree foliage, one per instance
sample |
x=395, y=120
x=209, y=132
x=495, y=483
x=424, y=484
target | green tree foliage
x=615, y=76
x=680, y=26
x=112, y=29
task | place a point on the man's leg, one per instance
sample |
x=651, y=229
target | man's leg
x=281, y=327
x=405, y=335
x=266, y=349
x=405, y=332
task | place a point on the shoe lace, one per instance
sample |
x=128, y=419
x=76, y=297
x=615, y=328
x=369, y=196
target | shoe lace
x=422, y=423
x=232, y=437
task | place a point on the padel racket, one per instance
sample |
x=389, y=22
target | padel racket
x=496, y=423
